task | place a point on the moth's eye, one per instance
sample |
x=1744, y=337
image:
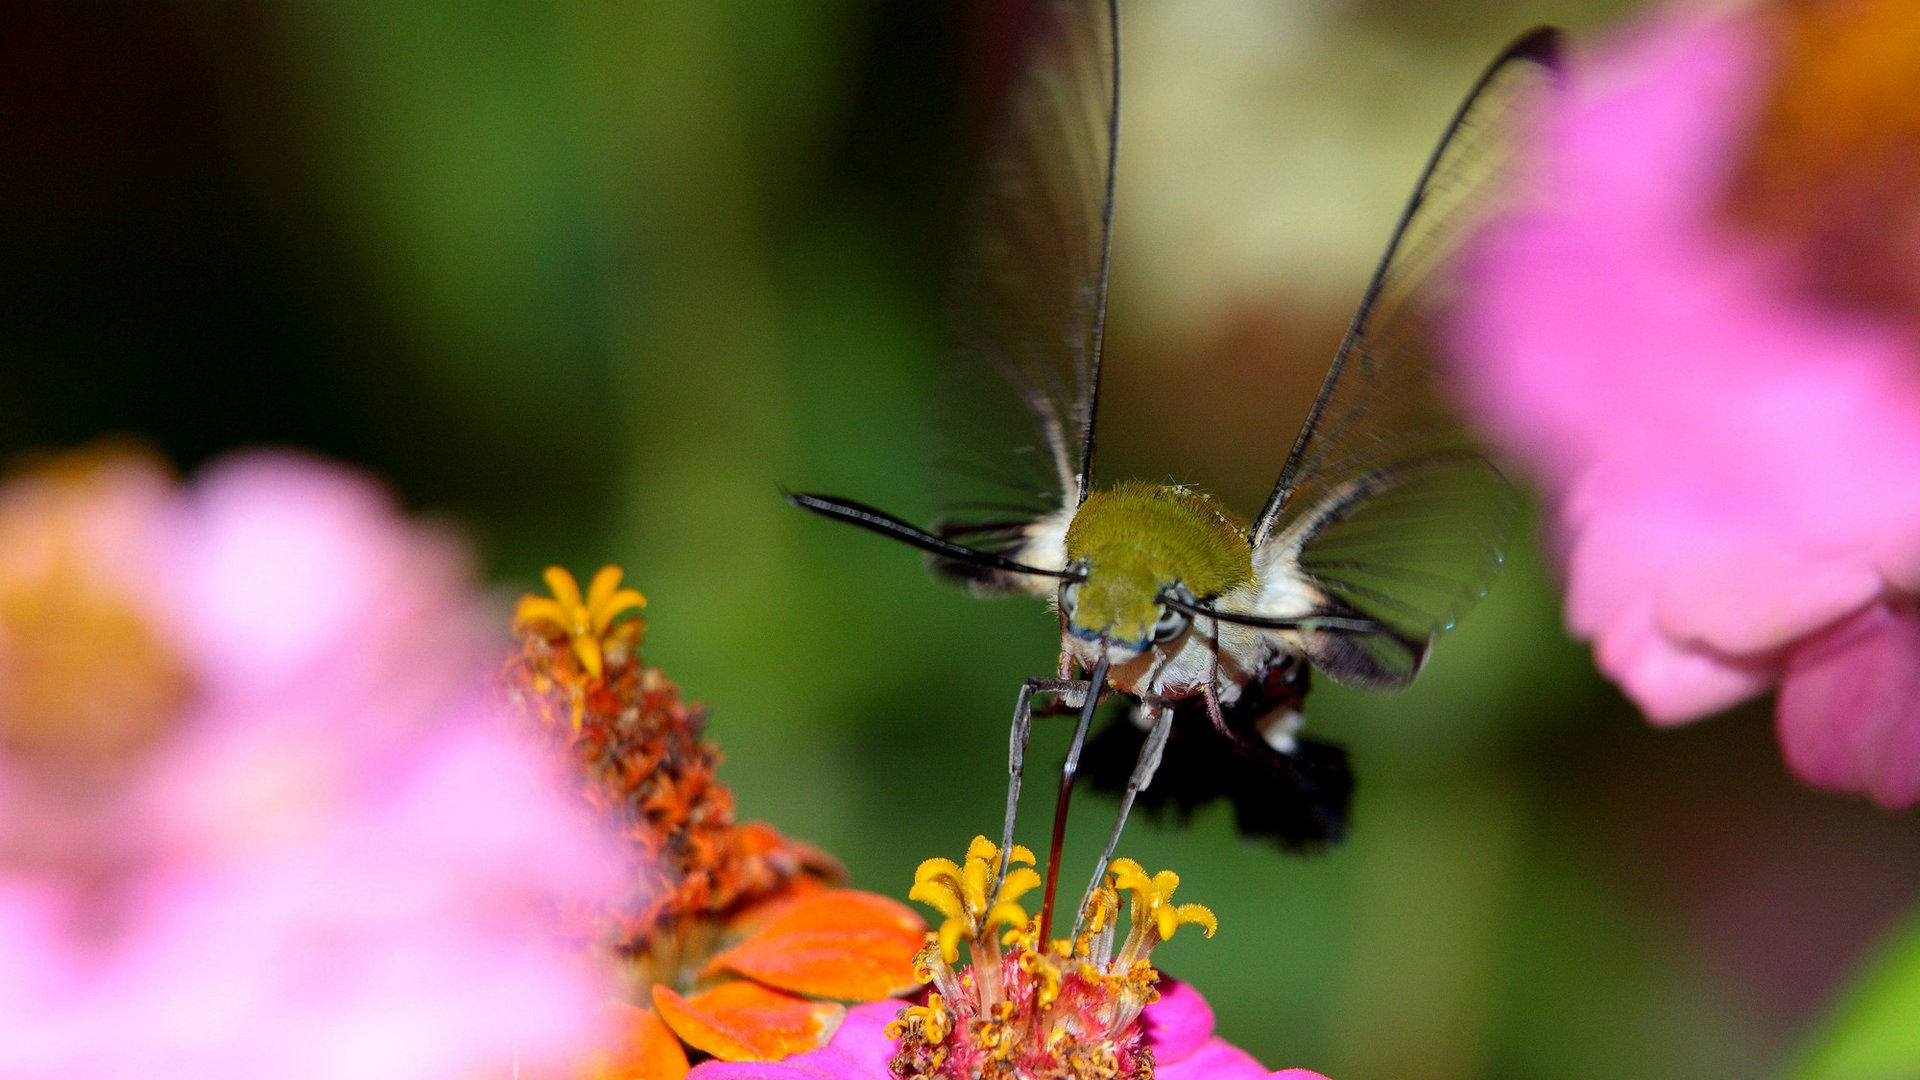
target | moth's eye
x=1170, y=625
x=1069, y=597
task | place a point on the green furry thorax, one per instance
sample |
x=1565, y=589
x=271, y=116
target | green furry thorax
x=1138, y=538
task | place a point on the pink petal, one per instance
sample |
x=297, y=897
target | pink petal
x=1897, y=554
x=269, y=534
x=1756, y=597
x=1216, y=1059
x=1179, y=1023
x=1733, y=585
x=1849, y=713
x=1673, y=684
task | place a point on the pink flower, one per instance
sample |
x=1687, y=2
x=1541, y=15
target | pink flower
x=1015, y=1008
x=1732, y=466
x=1179, y=1029
x=258, y=816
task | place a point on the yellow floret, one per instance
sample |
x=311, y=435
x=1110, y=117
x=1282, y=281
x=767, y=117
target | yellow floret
x=959, y=892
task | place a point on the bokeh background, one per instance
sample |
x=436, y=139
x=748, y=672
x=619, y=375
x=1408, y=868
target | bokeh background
x=590, y=278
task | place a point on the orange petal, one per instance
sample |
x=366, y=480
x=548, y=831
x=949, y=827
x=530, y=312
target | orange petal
x=841, y=943
x=747, y=918
x=646, y=1050
x=743, y=1021
x=759, y=838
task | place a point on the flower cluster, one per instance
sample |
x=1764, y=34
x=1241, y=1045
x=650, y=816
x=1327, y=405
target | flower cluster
x=730, y=933
x=1701, y=337
x=259, y=815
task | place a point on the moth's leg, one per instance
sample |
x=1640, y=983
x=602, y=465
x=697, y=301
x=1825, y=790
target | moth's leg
x=1061, y=705
x=1211, y=693
x=1262, y=702
x=1144, y=768
x=1062, y=690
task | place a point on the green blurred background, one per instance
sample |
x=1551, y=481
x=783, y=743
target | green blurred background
x=592, y=277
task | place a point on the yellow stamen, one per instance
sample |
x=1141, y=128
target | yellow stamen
x=950, y=933
x=974, y=879
x=1198, y=915
x=1153, y=900
x=930, y=1021
x=930, y=887
x=1102, y=909
x=959, y=893
x=1049, y=985
x=1019, y=882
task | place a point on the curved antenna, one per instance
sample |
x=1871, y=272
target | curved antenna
x=1334, y=623
x=879, y=521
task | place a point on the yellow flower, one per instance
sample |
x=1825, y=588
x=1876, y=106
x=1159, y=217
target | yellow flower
x=959, y=892
x=1153, y=908
x=584, y=622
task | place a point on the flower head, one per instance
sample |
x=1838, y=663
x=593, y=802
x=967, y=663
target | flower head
x=1024, y=1010
x=1059, y=1008
x=258, y=815
x=731, y=934
x=1723, y=412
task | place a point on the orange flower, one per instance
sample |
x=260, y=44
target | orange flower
x=733, y=934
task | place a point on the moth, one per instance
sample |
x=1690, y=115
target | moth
x=1385, y=524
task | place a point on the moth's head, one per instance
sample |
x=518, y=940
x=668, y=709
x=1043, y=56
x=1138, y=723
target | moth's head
x=1122, y=610
x=1132, y=545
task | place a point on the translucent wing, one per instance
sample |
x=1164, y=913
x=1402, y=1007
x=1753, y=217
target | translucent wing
x=1385, y=509
x=1031, y=294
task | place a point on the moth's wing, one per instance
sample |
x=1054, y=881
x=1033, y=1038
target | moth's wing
x=1408, y=549
x=1386, y=509
x=1030, y=296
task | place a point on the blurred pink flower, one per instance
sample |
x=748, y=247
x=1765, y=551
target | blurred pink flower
x=289, y=836
x=1179, y=1029
x=1733, y=467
